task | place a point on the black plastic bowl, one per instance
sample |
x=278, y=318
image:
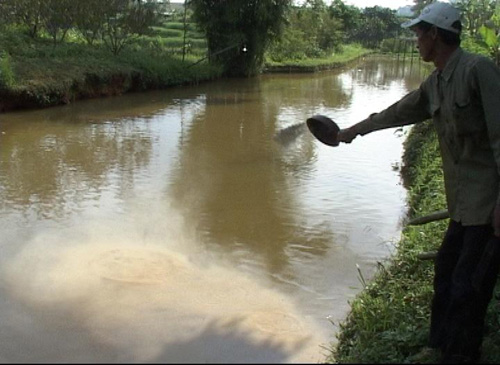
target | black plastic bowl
x=324, y=129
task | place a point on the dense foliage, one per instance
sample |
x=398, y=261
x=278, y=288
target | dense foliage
x=239, y=31
x=239, y=34
x=115, y=22
x=35, y=73
x=316, y=30
x=376, y=24
x=311, y=32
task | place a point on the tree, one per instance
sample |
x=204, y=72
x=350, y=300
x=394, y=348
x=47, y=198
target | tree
x=90, y=16
x=24, y=12
x=376, y=24
x=349, y=15
x=124, y=19
x=310, y=32
x=475, y=14
x=420, y=5
x=239, y=31
x=330, y=33
x=321, y=30
x=57, y=18
x=490, y=32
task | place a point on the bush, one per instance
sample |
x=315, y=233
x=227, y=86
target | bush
x=6, y=72
x=476, y=46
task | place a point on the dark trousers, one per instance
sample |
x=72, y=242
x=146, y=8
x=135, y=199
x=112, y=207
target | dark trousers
x=466, y=270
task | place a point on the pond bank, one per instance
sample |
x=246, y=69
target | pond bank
x=47, y=82
x=94, y=85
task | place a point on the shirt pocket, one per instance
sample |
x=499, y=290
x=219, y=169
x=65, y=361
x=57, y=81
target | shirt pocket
x=468, y=117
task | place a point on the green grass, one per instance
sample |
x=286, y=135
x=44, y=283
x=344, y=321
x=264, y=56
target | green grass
x=166, y=32
x=179, y=25
x=349, y=53
x=199, y=45
x=7, y=79
x=171, y=36
x=37, y=73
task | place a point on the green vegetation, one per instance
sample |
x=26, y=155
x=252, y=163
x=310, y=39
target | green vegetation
x=349, y=52
x=489, y=32
x=35, y=72
x=6, y=73
x=388, y=322
x=47, y=60
x=55, y=51
x=174, y=37
x=239, y=31
x=315, y=31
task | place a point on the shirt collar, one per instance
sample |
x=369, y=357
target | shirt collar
x=451, y=64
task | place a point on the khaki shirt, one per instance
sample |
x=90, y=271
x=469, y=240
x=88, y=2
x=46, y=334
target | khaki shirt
x=464, y=103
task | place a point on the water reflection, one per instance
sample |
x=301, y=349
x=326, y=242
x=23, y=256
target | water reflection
x=99, y=198
x=231, y=181
x=376, y=71
x=54, y=166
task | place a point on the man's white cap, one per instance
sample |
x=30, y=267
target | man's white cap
x=440, y=14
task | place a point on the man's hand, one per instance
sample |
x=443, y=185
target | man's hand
x=348, y=134
x=496, y=220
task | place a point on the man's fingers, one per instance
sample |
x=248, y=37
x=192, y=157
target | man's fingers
x=346, y=135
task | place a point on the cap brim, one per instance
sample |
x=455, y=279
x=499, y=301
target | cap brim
x=411, y=23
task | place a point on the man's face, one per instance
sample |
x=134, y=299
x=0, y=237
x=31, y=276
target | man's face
x=425, y=42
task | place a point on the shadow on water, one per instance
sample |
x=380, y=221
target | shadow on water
x=219, y=339
x=56, y=338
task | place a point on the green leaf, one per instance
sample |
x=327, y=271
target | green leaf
x=489, y=36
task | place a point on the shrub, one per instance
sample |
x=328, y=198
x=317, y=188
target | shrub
x=6, y=73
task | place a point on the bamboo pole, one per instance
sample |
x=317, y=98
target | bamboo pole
x=433, y=217
x=436, y=216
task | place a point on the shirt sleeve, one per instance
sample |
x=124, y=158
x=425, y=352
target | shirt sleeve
x=487, y=83
x=412, y=108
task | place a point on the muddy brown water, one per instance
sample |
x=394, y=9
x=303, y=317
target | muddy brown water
x=172, y=226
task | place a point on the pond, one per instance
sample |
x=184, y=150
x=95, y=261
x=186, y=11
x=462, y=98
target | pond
x=174, y=226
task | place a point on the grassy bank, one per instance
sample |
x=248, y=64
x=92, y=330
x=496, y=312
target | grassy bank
x=389, y=319
x=36, y=73
x=349, y=53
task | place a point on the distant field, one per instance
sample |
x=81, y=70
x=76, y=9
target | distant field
x=170, y=37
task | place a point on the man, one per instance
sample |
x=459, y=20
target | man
x=462, y=96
